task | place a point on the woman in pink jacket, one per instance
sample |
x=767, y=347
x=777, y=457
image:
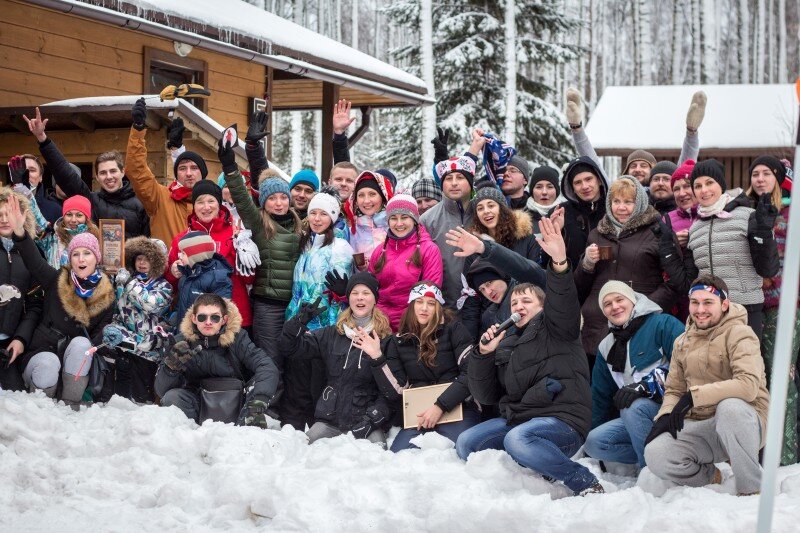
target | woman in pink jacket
x=408, y=255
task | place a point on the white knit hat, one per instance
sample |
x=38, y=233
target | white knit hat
x=327, y=203
x=616, y=286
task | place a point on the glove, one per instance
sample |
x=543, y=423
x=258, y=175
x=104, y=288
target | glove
x=439, y=143
x=336, y=283
x=112, y=335
x=257, y=128
x=254, y=413
x=175, y=133
x=225, y=153
x=184, y=90
x=309, y=311
x=19, y=171
x=667, y=245
x=138, y=114
x=661, y=426
x=8, y=293
x=574, y=109
x=697, y=110
x=766, y=213
x=628, y=394
x=678, y=413
x=372, y=419
x=122, y=277
x=180, y=355
x=247, y=255
x=553, y=387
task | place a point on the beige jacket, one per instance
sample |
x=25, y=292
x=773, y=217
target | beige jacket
x=715, y=364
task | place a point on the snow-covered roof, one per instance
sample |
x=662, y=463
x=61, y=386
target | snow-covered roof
x=738, y=117
x=264, y=35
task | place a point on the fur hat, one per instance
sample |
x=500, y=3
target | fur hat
x=153, y=249
x=193, y=157
x=363, y=278
x=618, y=287
x=640, y=155
x=86, y=240
x=711, y=168
x=683, y=172
x=403, y=204
x=77, y=203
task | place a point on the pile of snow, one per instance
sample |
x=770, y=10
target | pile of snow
x=121, y=467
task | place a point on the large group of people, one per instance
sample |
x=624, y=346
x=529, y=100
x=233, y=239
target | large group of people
x=561, y=311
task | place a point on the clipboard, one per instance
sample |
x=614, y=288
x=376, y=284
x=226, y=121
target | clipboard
x=419, y=399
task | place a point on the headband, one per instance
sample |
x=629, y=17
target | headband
x=423, y=289
x=709, y=288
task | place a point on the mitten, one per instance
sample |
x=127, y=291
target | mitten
x=180, y=355
x=574, y=109
x=697, y=110
x=122, y=277
x=371, y=420
x=138, y=114
x=112, y=335
x=553, y=387
x=175, y=132
x=8, y=293
x=661, y=426
x=766, y=213
x=247, y=254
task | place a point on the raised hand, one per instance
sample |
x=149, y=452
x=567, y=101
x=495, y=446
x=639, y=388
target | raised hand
x=368, y=342
x=552, y=242
x=37, y=125
x=341, y=116
x=225, y=152
x=478, y=141
x=257, y=129
x=139, y=114
x=440, y=151
x=19, y=171
x=469, y=243
x=336, y=283
x=175, y=132
x=557, y=218
x=16, y=215
x=574, y=106
x=766, y=213
x=309, y=311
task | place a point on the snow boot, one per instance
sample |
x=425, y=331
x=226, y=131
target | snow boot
x=72, y=388
x=50, y=392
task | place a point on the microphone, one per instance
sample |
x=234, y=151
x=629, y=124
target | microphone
x=507, y=323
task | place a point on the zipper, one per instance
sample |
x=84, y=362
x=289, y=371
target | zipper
x=710, y=254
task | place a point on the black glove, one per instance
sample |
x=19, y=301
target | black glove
x=257, y=128
x=19, y=171
x=553, y=387
x=138, y=114
x=226, y=156
x=175, y=132
x=371, y=420
x=336, y=283
x=766, y=213
x=254, y=413
x=667, y=245
x=628, y=394
x=309, y=311
x=181, y=354
x=678, y=413
x=661, y=426
x=440, y=145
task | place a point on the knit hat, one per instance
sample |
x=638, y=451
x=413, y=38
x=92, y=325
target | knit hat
x=77, y=203
x=327, y=203
x=772, y=163
x=618, y=287
x=641, y=198
x=711, y=168
x=271, y=186
x=663, y=167
x=548, y=174
x=640, y=155
x=385, y=172
x=485, y=276
x=522, y=165
x=195, y=158
x=372, y=180
x=85, y=240
x=370, y=184
x=198, y=246
x=578, y=168
x=306, y=176
x=363, y=278
x=403, y=204
x=426, y=188
x=489, y=192
x=683, y=172
x=206, y=187
x=465, y=165
x=482, y=271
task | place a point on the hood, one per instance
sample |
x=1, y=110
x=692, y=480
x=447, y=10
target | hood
x=644, y=306
x=566, y=182
x=736, y=316
x=227, y=333
x=523, y=225
x=123, y=193
x=151, y=250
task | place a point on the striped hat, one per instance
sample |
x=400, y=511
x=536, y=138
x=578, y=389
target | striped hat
x=403, y=204
x=198, y=246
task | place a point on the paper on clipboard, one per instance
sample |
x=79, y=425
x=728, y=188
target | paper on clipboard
x=419, y=399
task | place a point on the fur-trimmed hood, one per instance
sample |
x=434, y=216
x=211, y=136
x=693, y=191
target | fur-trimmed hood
x=606, y=228
x=84, y=310
x=228, y=332
x=153, y=249
x=523, y=223
x=25, y=205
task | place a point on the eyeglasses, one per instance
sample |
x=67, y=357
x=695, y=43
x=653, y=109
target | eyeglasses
x=214, y=318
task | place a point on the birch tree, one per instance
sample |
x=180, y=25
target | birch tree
x=510, y=131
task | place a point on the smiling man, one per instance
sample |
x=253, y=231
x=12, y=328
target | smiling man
x=584, y=186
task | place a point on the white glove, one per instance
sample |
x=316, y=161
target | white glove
x=247, y=254
x=8, y=293
x=122, y=277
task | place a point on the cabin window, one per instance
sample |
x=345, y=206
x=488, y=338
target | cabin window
x=164, y=68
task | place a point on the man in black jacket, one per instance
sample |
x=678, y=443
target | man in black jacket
x=540, y=378
x=115, y=199
x=584, y=186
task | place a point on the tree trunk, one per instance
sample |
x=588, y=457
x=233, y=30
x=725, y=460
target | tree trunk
x=783, y=70
x=426, y=59
x=761, y=35
x=645, y=43
x=744, y=41
x=510, y=132
x=677, y=42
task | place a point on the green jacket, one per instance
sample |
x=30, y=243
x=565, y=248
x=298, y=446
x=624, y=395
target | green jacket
x=278, y=254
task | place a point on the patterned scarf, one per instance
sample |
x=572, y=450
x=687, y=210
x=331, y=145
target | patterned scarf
x=85, y=287
x=496, y=155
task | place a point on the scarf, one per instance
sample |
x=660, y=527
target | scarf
x=282, y=218
x=496, y=155
x=618, y=353
x=85, y=287
x=543, y=210
x=179, y=193
x=518, y=203
x=362, y=322
x=8, y=244
x=716, y=209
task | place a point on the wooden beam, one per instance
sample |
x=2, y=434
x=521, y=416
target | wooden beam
x=152, y=120
x=366, y=112
x=83, y=121
x=19, y=124
x=330, y=95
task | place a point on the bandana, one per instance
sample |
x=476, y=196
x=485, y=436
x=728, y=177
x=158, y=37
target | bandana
x=466, y=292
x=85, y=287
x=709, y=288
x=422, y=290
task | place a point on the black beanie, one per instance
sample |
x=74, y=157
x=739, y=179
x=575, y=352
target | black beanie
x=206, y=187
x=548, y=174
x=363, y=278
x=479, y=278
x=370, y=184
x=711, y=168
x=772, y=163
x=578, y=168
x=195, y=158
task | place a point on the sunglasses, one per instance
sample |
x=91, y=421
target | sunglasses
x=214, y=318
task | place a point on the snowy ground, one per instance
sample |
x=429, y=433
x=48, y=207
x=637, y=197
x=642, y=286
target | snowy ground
x=126, y=468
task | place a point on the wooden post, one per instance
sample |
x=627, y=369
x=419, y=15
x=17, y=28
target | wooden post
x=330, y=95
x=268, y=110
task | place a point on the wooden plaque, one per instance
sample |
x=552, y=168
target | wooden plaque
x=112, y=244
x=419, y=399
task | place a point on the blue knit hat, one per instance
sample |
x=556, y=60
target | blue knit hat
x=271, y=186
x=306, y=176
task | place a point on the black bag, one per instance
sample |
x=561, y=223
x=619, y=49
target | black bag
x=221, y=399
x=99, y=373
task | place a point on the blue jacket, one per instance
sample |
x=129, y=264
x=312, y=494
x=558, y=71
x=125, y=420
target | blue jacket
x=212, y=275
x=649, y=348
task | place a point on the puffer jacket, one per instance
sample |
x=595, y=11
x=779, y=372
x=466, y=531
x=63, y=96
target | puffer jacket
x=309, y=278
x=401, y=368
x=580, y=217
x=650, y=347
x=221, y=230
x=120, y=204
x=211, y=275
x=636, y=263
x=547, y=347
x=232, y=344
x=279, y=255
x=350, y=388
x=716, y=364
x=400, y=274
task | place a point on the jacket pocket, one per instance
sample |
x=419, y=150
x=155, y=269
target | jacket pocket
x=326, y=405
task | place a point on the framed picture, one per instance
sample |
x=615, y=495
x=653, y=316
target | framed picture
x=112, y=244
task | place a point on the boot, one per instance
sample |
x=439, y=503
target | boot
x=72, y=388
x=50, y=392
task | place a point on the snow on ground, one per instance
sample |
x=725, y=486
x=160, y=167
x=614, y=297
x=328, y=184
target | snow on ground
x=121, y=467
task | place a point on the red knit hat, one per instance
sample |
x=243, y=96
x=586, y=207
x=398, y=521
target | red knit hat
x=77, y=203
x=683, y=172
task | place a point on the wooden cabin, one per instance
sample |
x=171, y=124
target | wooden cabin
x=741, y=123
x=90, y=59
